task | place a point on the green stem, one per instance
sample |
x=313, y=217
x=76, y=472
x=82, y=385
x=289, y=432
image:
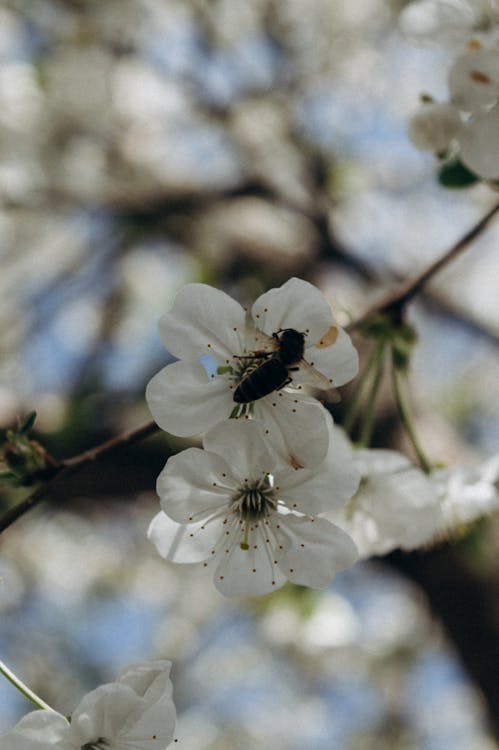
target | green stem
x=406, y=419
x=354, y=405
x=24, y=689
x=368, y=421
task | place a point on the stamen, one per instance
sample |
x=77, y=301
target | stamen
x=252, y=502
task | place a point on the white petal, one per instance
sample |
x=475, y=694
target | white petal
x=149, y=679
x=296, y=304
x=183, y=543
x=328, y=486
x=474, y=79
x=103, y=712
x=183, y=401
x=380, y=461
x=38, y=730
x=434, y=125
x=203, y=320
x=314, y=549
x=338, y=362
x=433, y=21
x=135, y=712
x=194, y=484
x=392, y=510
x=242, y=444
x=152, y=728
x=479, y=143
x=248, y=572
x=154, y=724
x=295, y=426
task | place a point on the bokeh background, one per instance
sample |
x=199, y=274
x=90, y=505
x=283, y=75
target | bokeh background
x=148, y=143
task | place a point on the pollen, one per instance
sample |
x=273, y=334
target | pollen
x=479, y=77
x=329, y=338
x=474, y=44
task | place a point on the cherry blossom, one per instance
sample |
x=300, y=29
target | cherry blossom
x=396, y=505
x=251, y=518
x=218, y=343
x=451, y=23
x=479, y=144
x=433, y=127
x=134, y=713
x=467, y=492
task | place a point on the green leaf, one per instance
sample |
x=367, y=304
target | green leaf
x=28, y=423
x=454, y=174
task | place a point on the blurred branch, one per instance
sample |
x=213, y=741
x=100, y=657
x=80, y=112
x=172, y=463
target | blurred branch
x=69, y=466
x=465, y=600
x=394, y=302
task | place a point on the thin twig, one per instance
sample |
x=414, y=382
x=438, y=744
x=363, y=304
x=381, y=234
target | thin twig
x=71, y=465
x=394, y=301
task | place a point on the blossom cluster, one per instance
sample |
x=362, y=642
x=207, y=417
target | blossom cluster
x=250, y=505
x=278, y=492
x=467, y=124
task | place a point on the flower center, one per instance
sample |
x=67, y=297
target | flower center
x=99, y=744
x=253, y=501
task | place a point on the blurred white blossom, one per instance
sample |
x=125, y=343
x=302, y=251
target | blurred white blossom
x=468, y=492
x=136, y=711
x=396, y=505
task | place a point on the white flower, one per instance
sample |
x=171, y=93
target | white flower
x=479, y=144
x=467, y=493
x=474, y=80
x=449, y=22
x=134, y=713
x=396, y=505
x=252, y=519
x=218, y=343
x=434, y=126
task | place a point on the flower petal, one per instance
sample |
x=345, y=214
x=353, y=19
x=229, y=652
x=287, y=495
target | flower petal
x=248, y=572
x=314, y=549
x=155, y=723
x=479, y=144
x=183, y=543
x=339, y=363
x=183, y=401
x=194, y=484
x=38, y=730
x=296, y=426
x=242, y=444
x=328, y=486
x=203, y=320
x=149, y=679
x=103, y=713
x=296, y=304
x=370, y=461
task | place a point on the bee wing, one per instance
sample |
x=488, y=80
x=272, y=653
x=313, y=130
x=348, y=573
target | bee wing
x=317, y=380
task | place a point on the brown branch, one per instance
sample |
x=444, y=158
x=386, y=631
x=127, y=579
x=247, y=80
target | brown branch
x=69, y=466
x=395, y=301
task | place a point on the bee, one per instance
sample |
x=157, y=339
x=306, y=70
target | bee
x=272, y=372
